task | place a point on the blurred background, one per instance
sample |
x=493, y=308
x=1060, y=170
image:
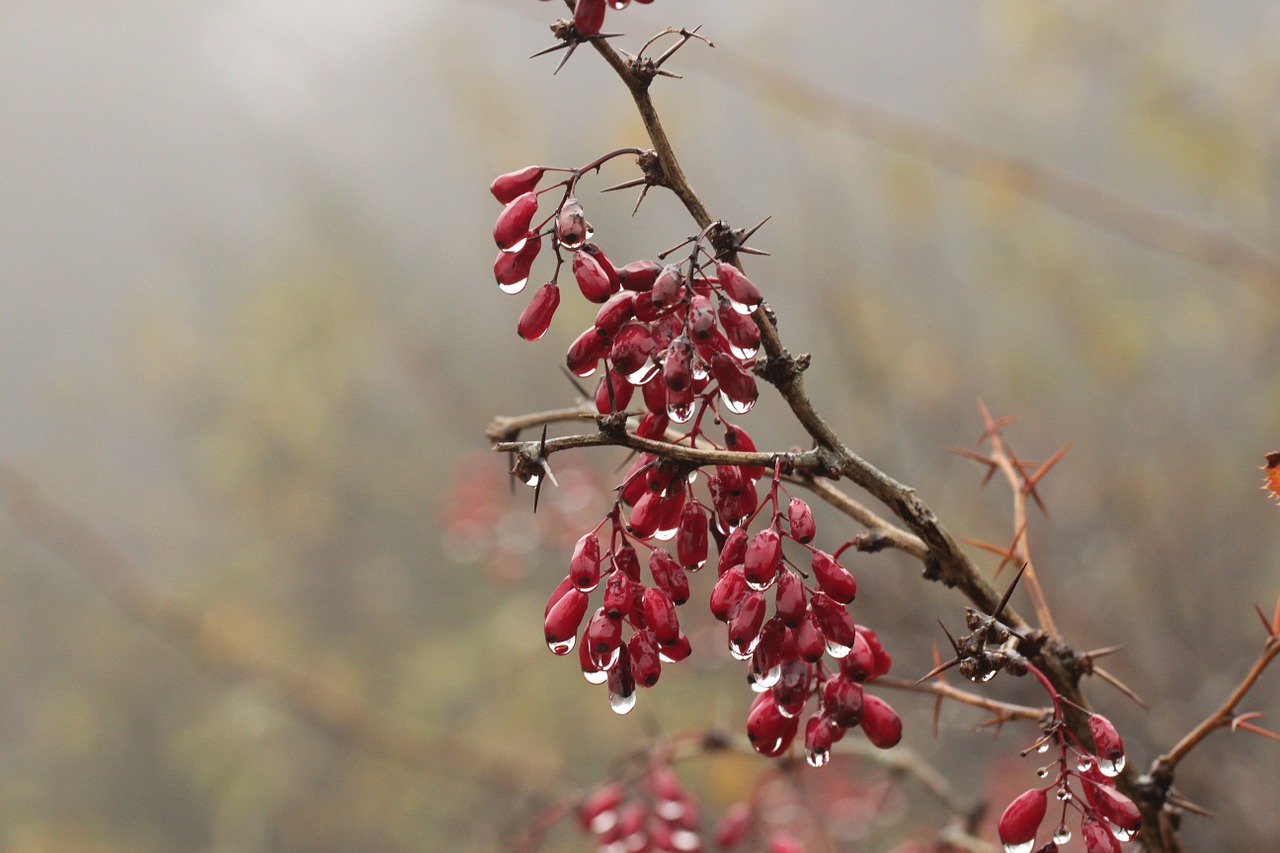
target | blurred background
x=262, y=585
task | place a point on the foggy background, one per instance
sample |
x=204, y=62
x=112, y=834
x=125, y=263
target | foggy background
x=249, y=335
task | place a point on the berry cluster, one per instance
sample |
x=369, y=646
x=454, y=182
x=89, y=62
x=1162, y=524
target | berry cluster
x=655, y=814
x=1107, y=817
x=659, y=330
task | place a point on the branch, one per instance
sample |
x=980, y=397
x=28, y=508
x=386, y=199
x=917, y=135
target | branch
x=1162, y=768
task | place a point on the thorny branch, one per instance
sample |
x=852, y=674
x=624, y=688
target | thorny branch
x=945, y=561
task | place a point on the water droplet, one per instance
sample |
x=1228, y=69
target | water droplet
x=1122, y=835
x=743, y=309
x=817, y=757
x=700, y=370
x=606, y=665
x=987, y=676
x=1064, y=795
x=1043, y=772
x=617, y=5
x=517, y=246
x=533, y=480
x=669, y=809
x=647, y=371
x=685, y=839
x=743, y=353
x=697, y=567
x=591, y=232
x=1044, y=747
x=680, y=413
x=693, y=477
x=755, y=683
x=665, y=535
x=598, y=676
x=1062, y=836
x=838, y=651
x=515, y=286
x=605, y=821
x=744, y=652
x=1084, y=763
x=761, y=587
x=738, y=407
x=1110, y=768
x=622, y=704
x=1024, y=847
x=562, y=647
x=587, y=371
x=770, y=678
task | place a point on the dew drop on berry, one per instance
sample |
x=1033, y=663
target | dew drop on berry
x=742, y=353
x=595, y=676
x=1122, y=835
x=1043, y=748
x=1084, y=764
x=1111, y=768
x=838, y=651
x=644, y=373
x=563, y=647
x=1062, y=836
x=686, y=840
x=770, y=678
x=987, y=676
x=515, y=286
x=742, y=308
x=738, y=407
x=680, y=413
x=622, y=704
x=1024, y=847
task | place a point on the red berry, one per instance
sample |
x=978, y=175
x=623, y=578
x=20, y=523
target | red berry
x=883, y=661
x=599, y=811
x=613, y=392
x=833, y=578
x=733, y=550
x=668, y=287
x=588, y=16
x=571, y=224
x=646, y=667
x=745, y=621
x=1097, y=838
x=819, y=735
x=585, y=353
x=800, y=521
x=691, y=532
x=592, y=279
x=737, y=387
x=669, y=576
x=639, y=276
x=584, y=565
x=769, y=731
x=738, y=287
x=677, y=365
x=728, y=591
x=562, y=621
x=879, y=722
x=660, y=613
x=622, y=683
x=733, y=827
x=617, y=595
x=603, y=636
x=835, y=622
x=763, y=559
x=810, y=644
x=1022, y=818
x=842, y=701
x=511, y=229
x=1110, y=749
x=617, y=310
x=789, y=599
x=736, y=438
x=511, y=269
x=536, y=317
x=506, y=187
x=742, y=332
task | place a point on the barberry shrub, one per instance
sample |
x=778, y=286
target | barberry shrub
x=682, y=344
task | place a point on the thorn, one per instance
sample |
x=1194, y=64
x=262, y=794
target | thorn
x=625, y=185
x=1029, y=486
x=568, y=53
x=976, y=457
x=937, y=702
x=990, y=426
x=1103, y=652
x=1182, y=802
x=954, y=643
x=1121, y=686
x=643, y=191
x=1004, y=599
x=938, y=670
x=1257, y=730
